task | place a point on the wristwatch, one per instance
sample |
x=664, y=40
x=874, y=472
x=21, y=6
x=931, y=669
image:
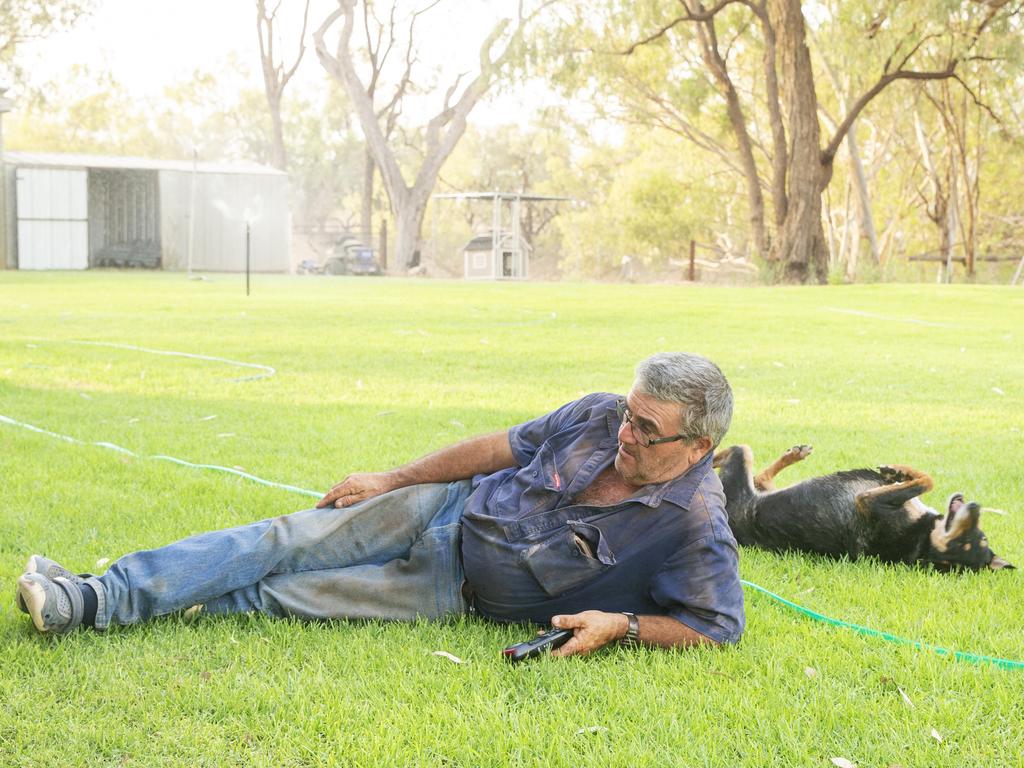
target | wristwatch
x=632, y=636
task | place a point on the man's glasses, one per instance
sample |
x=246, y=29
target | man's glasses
x=639, y=434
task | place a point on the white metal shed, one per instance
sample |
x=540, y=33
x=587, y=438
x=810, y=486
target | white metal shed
x=81, y=211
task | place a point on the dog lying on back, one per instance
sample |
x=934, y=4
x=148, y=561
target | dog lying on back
x=853, y=513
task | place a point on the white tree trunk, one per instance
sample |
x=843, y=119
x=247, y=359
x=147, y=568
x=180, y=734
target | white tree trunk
x=408, y=202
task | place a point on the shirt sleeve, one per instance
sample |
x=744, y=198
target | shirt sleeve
x=527, y=438
x=699, y=586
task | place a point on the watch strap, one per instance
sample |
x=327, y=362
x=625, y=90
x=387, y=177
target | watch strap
x=632, y=636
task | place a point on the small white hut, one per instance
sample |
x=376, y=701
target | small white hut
x=501, y=254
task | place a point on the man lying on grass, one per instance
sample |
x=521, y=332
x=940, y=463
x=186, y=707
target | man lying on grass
x=604, y=516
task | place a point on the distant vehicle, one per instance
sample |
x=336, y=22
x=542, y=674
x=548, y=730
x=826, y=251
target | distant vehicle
x=349, y=256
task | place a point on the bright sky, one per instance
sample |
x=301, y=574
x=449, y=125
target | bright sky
x=148, y=44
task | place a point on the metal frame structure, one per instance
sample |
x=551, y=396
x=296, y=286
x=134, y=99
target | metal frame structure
x=498, y=231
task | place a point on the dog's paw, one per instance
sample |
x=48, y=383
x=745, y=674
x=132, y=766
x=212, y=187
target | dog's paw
x=799, y=452
x=892, y=474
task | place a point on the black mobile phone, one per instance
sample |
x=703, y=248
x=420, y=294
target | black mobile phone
x=553, y=638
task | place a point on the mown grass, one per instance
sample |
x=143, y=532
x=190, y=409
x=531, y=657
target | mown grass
x=375, y=372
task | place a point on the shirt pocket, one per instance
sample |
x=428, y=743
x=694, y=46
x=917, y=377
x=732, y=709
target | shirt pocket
x=570, y=557
x=542, y=484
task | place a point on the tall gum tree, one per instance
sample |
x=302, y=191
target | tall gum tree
x=443, y=130
x=929, y=47
x=276, y=74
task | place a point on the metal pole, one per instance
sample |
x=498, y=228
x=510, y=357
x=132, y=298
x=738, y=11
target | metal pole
x=496, y=237
x=192, y=210
x=693, y=258
x=1016, y=275
x=5, y=106
x=247, y=237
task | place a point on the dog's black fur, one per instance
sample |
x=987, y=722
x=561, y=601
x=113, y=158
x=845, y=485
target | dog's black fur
x=853, y=513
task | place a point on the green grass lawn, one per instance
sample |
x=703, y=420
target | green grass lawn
x=373, y=372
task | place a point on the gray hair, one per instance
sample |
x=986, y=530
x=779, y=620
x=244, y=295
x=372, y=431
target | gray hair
x=693, y=382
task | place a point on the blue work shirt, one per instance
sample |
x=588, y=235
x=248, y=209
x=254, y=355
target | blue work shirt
x=530, y=552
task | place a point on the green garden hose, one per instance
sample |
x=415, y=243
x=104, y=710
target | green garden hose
x=973, y=658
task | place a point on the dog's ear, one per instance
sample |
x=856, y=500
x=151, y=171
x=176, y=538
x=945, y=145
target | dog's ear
x=721, y=456
x=963, y=519
x=952, y=506
x=999, y=564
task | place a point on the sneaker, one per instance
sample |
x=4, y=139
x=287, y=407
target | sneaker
x=51, y=570
x=55, y=605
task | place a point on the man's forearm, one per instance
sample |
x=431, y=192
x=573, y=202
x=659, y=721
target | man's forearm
x=484, y=454
x=666, y=632
x=477, y=455
x=596, y=629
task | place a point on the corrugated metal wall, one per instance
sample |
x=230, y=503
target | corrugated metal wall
x=223, y=202
x=52, y=218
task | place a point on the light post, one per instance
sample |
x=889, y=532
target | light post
x=5, y=106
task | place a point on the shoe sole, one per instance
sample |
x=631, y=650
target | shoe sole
x=30, y=567
x=33, y=598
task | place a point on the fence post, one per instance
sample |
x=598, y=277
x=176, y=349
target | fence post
x=383, y=245
x=693, y=256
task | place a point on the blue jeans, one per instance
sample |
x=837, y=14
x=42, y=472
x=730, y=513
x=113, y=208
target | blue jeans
x=395, y=556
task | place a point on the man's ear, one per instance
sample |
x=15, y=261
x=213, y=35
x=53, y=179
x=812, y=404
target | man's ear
x=699, y=447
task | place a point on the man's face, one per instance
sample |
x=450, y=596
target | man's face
x=656, y=463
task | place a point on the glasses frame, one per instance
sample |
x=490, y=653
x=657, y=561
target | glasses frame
x=626, y=415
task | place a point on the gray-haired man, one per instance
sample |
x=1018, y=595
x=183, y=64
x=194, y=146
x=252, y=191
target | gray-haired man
x=604, y=516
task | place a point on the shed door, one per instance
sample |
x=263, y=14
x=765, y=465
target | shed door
x=53, y=230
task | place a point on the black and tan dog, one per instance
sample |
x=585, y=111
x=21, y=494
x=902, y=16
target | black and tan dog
x=853, y=513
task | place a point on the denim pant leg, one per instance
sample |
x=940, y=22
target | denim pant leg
x=424, y=583
x=201, y=568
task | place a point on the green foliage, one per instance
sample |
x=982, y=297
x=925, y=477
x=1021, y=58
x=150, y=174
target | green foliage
x=22, y=21
x=376, y=372
x=665, y=86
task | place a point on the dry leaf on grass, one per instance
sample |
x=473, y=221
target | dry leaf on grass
x=450, y=657
x=102, y=561
x=842, y=762
x=810, y=671
x=905, y=697
x=937, y=736
x=591, y=729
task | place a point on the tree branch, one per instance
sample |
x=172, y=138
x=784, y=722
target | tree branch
x=688, y=16
x=883, y=82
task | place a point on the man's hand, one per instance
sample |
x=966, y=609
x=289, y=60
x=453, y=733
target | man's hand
x=358, y=487
x=593, y=630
